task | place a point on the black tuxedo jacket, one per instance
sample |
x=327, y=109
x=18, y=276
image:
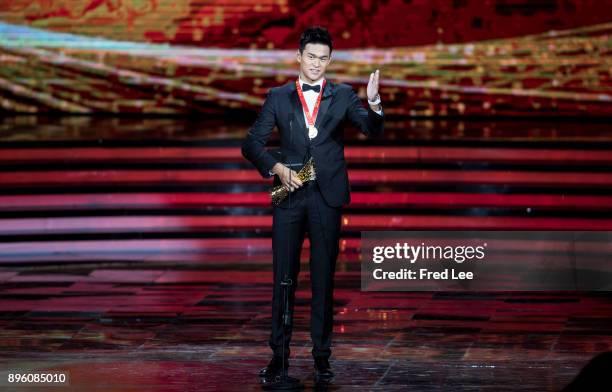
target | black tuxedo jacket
x=282, y=108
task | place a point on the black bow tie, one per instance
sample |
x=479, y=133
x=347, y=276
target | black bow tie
x=306, y=87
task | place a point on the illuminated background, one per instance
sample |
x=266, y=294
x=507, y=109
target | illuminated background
x=438, y=58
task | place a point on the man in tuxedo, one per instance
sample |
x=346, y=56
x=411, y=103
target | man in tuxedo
x=309, y=113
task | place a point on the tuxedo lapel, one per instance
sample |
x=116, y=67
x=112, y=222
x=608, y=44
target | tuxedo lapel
x=298, y=114
x=325, y=102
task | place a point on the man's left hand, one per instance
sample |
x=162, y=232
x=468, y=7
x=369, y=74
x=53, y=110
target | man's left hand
x=373, y=85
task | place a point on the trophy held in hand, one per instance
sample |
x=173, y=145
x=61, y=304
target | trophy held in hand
x=279, y=193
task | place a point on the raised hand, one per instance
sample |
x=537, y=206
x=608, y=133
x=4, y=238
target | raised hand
x=373, y=85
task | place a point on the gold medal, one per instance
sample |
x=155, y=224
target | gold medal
x=312, y=131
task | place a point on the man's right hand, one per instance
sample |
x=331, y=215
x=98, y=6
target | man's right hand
x=288, y=177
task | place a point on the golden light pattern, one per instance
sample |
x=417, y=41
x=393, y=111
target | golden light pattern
x=555, y=73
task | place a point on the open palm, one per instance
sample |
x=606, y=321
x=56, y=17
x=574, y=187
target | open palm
x=373, y=85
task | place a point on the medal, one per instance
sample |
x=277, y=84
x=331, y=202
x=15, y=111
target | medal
x=312, y=131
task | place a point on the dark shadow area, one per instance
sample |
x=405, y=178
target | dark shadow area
x=594, y=377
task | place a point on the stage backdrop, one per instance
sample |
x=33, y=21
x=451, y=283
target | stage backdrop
x=437, y=58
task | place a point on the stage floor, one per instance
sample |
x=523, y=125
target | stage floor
x=141, y=261
x=204, y=326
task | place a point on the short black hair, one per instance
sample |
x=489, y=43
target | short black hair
x=315, y=35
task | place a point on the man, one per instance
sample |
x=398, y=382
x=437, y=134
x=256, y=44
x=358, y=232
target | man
x=310, y=115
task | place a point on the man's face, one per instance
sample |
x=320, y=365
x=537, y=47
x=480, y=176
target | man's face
x=313, y=61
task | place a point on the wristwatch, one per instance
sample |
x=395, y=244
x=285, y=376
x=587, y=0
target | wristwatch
x=376, y=101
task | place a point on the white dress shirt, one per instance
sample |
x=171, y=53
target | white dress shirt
x=311, y=97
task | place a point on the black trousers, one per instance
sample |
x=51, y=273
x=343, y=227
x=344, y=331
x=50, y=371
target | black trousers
x=309, y=212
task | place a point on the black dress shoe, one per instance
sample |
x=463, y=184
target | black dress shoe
x=322, y=369
x=274, y=368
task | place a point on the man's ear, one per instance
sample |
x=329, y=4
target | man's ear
x=298, y=56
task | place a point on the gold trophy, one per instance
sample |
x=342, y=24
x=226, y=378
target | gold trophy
x=279, y=192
